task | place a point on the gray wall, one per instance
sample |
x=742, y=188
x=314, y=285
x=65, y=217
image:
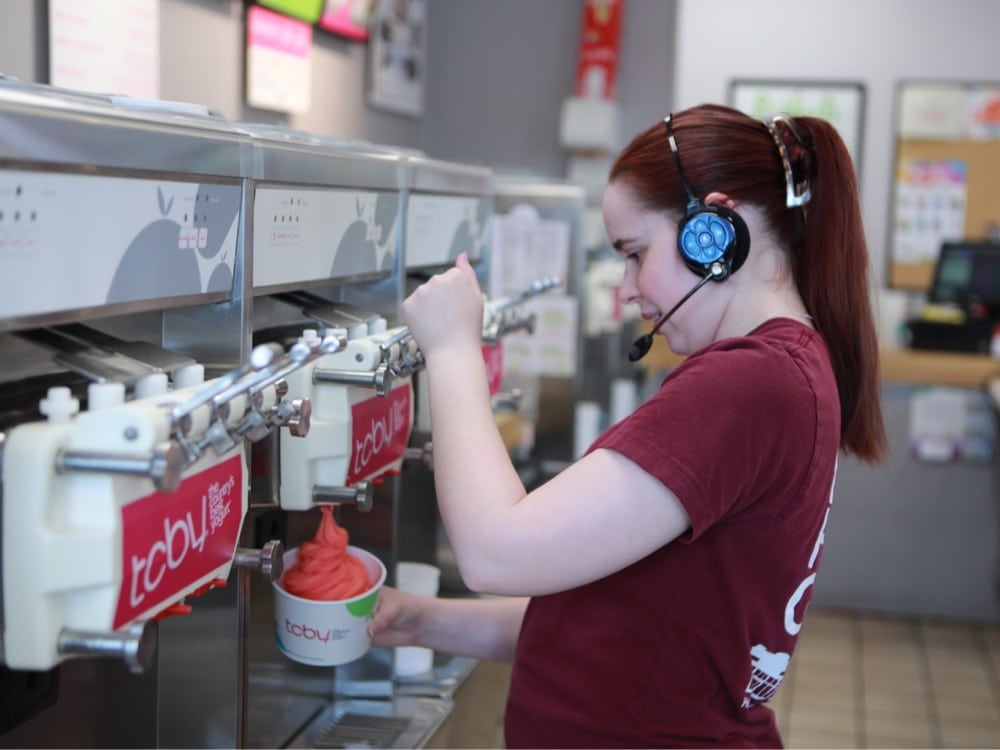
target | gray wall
x=499, y=72
x=23, y=30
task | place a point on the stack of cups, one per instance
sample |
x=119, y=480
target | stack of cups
x=586, y=426
x=624, y=399
x=421, y=579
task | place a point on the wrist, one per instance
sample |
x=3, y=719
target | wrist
x=453, y=353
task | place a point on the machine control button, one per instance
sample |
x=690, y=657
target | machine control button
x=298, y=424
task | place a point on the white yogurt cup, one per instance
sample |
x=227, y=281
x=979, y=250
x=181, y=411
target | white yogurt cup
x=326, y=633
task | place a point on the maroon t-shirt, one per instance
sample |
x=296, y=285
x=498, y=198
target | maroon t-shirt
x=684, y=647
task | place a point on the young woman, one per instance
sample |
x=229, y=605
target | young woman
x=654, y=590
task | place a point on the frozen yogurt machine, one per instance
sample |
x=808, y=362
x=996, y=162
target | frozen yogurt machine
x=200, y=346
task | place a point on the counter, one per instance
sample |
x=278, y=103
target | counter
x=912, y=366
x=927, y=367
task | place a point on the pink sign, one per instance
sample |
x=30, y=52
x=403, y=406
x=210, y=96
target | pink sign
x=278, y=61
x=265, y=28
x=380, y=428
x=172, y=540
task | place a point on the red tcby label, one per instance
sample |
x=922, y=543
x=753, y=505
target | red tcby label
x=380, y=427
x=493, y=357
x=171, y=540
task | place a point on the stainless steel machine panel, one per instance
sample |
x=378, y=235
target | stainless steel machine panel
x=114, y=204
x=326, y=256
x=67, y=128
x=448, y=210
x=150, y=242
x=120, y=244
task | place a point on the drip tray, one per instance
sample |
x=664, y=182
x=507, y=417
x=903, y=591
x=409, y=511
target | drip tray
x=358, y=730
x=403, y=722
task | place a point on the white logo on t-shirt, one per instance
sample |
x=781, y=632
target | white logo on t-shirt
x=767, y=670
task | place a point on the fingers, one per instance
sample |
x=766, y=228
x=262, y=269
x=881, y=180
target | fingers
x=386, y=611
x=447, y=305
x=462, y=264
x=394, y=622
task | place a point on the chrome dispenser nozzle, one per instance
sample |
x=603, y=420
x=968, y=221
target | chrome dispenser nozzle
x=269, y=559
x=135, y=645
x=361, y=494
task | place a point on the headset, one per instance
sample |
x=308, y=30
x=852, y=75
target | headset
x=708, y=235
x=713, y=242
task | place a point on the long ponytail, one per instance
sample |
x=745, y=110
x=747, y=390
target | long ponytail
x=831, y=270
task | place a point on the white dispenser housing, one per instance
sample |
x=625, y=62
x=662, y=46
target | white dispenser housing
x=358, y=432
x=94, y=552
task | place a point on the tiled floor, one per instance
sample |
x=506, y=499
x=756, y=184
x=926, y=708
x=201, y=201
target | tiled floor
x=855, y=681
x=861, y=681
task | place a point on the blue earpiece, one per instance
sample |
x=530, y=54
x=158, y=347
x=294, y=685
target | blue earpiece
x=708, y=236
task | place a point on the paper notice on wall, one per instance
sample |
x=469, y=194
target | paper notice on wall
x=551, y=349
x=931, y=197
x=279, y=61
x=527, y=248
x=934, y=111
x=109, y=48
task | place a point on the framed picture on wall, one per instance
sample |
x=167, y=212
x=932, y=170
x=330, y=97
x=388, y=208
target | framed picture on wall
x=841, y=103
x=397, y=48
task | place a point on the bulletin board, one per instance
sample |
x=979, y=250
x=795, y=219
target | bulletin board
x=946, y=174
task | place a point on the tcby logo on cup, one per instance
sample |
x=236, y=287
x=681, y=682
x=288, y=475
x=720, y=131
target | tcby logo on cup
x=301, y=630
x=326, y=634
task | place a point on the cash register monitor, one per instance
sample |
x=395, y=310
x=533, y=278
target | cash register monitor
x=967, y=274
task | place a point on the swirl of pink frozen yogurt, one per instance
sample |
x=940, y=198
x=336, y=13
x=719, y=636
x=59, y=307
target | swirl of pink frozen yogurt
x=325, y=571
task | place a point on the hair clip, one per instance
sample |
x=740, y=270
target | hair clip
x=797, y=194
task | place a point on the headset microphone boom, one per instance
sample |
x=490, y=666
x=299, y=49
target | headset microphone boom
x=641, y=346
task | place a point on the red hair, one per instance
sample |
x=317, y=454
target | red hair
x=724, y=150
